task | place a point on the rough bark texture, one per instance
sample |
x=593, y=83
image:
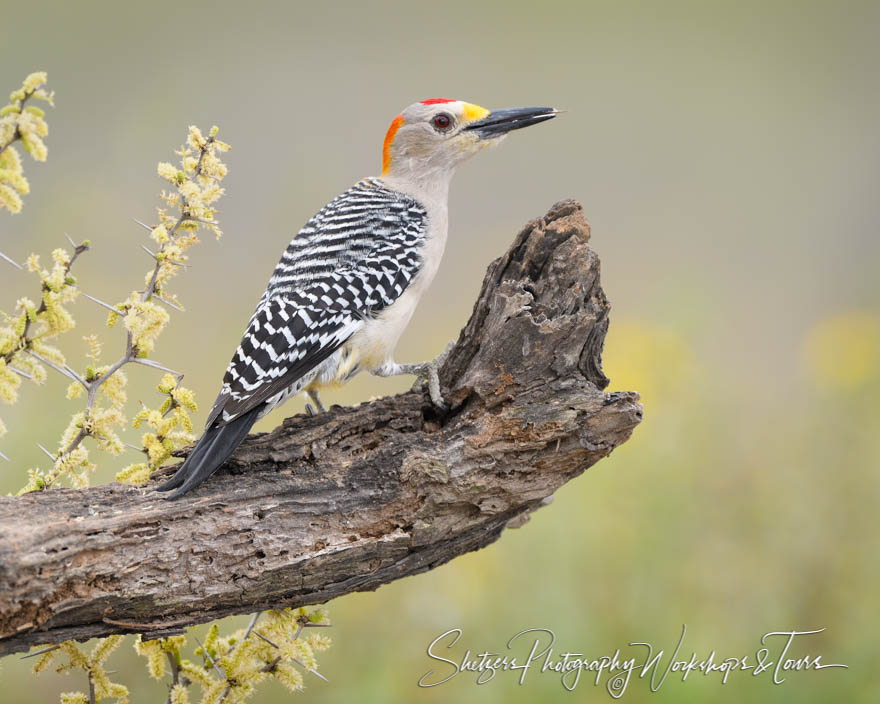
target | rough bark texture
x=350, y=499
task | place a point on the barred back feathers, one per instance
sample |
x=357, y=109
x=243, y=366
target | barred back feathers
x=353, y=259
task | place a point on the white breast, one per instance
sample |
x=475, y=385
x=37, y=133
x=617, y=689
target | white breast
x=374, y=343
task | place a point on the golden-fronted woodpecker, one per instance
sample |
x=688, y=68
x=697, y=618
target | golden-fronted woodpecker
x=348, y=283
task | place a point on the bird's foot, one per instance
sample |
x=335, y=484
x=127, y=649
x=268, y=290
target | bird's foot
x=312, y=395
x=426, y=374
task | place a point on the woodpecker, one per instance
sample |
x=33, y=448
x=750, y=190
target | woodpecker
x=348, y=283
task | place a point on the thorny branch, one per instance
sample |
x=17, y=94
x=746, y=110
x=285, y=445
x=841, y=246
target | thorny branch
x=26, y=341
x=16, y=136
x=131, y=352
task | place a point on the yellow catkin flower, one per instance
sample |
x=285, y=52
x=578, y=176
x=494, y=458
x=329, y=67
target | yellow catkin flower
x=50, y=352
x=31, y=366
x=75, y=465
x=105, y=648
x=26, y=305
x=91, y=664
x=34, y=146
x=73, y=427
x=289, y=676
x=11, y=160
x=102, y=422
x=319, y=642
x=10, y=199
x=74, y=698
x=113, y=389
x=209, y=645
x=36, y=482
x=9, y=383
x=196, y=673
x=215, y=690
x=160, y=234
x=26, y=123
x=8, y=339
x=119, y=692
x=185, y=398
x=167, y=171
x=155, y=652
x=34, y=80
x=77, y=657
x=15, y=179
x=134, y=474
x=167, y=384
x=179, y=694
x=43, y=661
x=195, y=139
x=145, y=321
x=171, y=429
x=55, y=316
x=190, y=191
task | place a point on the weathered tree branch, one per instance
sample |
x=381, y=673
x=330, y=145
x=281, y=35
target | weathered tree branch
x=352, y=498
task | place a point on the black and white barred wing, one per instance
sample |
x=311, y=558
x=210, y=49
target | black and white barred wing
x=283, y=343
x=337, y=273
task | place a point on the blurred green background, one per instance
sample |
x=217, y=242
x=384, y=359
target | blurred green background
x=726, y=155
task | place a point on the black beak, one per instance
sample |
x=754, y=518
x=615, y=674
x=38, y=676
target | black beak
x=499, y=122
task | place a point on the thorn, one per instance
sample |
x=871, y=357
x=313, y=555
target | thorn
x=132, y=447
x=72, y=243
x=168, y=303
x=251, y=625
x=67, y=371
x=210, y=659
x=155, y=365
x=204, y=222
x=317, y=625
x=2, y=456
x=143, y=225
x=48, y=454
x=185, y=266
x=314, y=672
x=21, y=373
x=262, y=637
x=40, y=652
x=101, y=303
x=11, y=261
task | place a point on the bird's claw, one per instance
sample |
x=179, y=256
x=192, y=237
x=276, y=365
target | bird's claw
x=428, y=376
x=312, y=395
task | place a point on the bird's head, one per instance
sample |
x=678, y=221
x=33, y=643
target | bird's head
x=430, y=138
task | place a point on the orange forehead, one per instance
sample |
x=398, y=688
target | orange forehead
x=386, y=145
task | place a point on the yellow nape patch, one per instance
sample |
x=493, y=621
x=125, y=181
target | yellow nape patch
x=472, y=113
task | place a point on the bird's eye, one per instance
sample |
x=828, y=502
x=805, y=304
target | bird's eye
x=442, y=122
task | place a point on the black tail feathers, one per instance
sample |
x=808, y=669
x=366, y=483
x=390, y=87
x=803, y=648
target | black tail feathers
x=211, y=451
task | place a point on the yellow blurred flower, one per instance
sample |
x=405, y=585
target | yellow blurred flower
x=648, y=358
x=843, y=350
